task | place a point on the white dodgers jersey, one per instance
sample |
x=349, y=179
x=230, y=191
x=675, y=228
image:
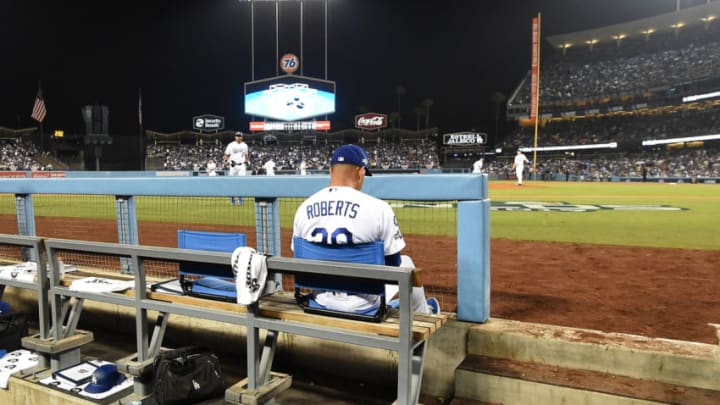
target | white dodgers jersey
x=343, y=215
x=238, y=152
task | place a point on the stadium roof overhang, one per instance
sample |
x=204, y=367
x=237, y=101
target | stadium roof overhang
x=639, y=28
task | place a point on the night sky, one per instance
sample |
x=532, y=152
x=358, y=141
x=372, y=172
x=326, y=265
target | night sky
x=192, y=57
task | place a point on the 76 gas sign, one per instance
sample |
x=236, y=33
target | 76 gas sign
x=289, y=63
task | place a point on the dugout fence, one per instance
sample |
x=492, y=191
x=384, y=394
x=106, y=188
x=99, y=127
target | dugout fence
x=444, y=219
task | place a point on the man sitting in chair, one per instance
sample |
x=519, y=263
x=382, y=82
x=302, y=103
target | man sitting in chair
x=341, y=214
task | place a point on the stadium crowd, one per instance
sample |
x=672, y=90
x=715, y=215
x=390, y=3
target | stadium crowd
x=619, y=128
x=18, y=155
x=688, y=163
x=631, y=68
x=287, y=157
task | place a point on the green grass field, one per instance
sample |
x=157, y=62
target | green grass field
x=696, y=226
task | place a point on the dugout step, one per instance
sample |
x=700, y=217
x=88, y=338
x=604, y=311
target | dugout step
x=491, y=379
x=240, y=394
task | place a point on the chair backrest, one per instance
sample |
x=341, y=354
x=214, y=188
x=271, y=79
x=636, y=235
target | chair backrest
x=213, y=241
x=367, y=253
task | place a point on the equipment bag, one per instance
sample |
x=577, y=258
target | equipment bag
x=13, y=327
x=187, y=375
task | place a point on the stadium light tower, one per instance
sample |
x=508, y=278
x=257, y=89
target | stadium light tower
x=277, y=33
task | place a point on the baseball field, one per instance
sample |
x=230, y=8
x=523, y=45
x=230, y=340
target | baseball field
x=637, y=258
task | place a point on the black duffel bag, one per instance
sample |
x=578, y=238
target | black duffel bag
x=187, y=375
x=13, y=327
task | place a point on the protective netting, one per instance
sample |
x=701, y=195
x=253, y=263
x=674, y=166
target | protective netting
x=429, y=228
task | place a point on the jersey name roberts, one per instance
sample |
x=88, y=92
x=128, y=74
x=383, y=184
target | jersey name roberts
x=332, y=208
x=343, y=215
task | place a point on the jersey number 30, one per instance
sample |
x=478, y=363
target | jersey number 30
x=331, y=239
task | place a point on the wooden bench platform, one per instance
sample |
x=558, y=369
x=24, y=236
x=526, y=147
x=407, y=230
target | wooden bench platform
x=282, y=305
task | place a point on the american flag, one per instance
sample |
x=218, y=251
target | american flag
x=39, y=111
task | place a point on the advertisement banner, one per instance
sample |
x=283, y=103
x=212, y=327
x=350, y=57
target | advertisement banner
x=371, y=121
x=46, y=175
x=464, y=138
x=208, y=122
x=259, y=126
x=13, y=174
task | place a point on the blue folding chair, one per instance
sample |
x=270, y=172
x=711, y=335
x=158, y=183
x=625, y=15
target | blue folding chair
x=367, y=253
x=214, y=281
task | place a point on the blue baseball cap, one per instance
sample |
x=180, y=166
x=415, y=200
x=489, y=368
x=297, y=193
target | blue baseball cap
x=4, y=308
x=351, y=155
x=104, y=378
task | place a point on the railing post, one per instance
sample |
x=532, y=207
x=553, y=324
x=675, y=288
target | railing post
x=127, y=227
x=25, y=221
x=473, y=255
x=267, y=224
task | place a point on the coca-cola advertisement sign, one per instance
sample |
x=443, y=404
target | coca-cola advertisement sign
x=371, y=121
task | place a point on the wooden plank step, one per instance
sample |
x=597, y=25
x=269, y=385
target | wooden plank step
x=587, y=380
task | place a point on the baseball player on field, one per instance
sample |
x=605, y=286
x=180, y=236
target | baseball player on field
x=236, y=154
x=342, y=214
x=269, y=167
x=211, y=168
x=519, y=166
x=477, y=166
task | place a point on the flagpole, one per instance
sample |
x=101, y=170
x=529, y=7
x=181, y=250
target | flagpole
x=38, y=113
x=140, y=126
x=42, y=139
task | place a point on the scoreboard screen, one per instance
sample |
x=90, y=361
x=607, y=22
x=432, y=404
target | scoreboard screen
x=289, y=98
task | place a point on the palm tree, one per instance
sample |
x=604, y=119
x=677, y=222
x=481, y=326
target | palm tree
x=427, y=103
x=418, y=112
x=400, y=91
x=497, y=98
x=394, y=118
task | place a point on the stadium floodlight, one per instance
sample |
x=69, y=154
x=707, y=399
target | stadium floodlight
x=678, y=25
x=611, y=145
x=653, y=142
x=707, y=20
x=647, y=32
x=618, y=38
x=696, y=97
x=564, y=46
x=591, y=42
